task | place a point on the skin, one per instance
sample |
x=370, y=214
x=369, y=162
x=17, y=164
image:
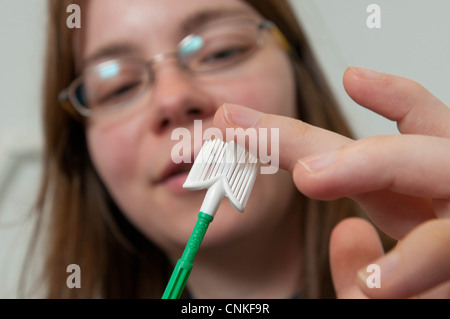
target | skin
x=131, y=149
x=411, y=207
x=400, y=181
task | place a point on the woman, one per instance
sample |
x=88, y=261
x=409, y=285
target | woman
x=115, y=202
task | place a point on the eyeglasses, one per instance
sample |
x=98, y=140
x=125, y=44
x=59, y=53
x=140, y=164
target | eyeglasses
x=115, y=84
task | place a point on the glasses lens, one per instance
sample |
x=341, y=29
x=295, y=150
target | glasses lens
x=115, y=83
x=111, y=83
x=219, y=46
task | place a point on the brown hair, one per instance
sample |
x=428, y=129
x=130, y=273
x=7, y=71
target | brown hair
x=86, y=228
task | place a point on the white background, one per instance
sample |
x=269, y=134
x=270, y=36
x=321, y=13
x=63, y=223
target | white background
x=414, y=41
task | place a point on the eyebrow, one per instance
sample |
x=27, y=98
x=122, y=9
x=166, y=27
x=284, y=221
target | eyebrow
x=201, y=18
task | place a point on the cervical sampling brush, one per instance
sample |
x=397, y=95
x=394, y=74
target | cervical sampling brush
x=225, y=169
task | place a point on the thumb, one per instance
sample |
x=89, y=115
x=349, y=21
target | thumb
x=354, y=243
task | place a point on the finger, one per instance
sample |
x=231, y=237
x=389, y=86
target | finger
x=395, y=214
x=407, y=164
x=353, y=244
x=295, y=139
x=413, y=107
x=392, y=178
x=419, y=262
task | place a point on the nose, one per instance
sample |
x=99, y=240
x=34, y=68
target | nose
x=176, y=99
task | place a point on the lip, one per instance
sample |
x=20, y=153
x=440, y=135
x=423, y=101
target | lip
x=173, y=177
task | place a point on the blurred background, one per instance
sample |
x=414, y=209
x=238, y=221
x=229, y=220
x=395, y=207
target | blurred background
x=413, y=41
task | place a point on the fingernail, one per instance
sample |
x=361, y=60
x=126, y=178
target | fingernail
x=318, y=162
x=365, y=73
x=240, y=116
x=380, y=271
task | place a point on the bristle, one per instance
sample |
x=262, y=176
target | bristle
x=230, y=160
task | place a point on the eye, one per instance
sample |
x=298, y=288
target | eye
x=114, y=84
x=227, y=53
x=221, y=56
x=219, y=45
x=117, y=93
x=221, y=50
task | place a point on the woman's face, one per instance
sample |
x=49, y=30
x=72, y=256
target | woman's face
x=131, y=148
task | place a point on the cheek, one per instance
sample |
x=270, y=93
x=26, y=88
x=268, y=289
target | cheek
x=113, y=151
x=269, y=89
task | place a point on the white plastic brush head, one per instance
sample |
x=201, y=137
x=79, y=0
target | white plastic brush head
x=229, y=167
x=226, y=169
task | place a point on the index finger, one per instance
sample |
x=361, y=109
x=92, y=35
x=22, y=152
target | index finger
x=296, y=138
x=407, y=102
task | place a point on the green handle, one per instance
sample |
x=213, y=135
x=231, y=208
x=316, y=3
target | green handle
x=184, y=265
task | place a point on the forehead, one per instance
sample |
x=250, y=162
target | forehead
x=151, y=26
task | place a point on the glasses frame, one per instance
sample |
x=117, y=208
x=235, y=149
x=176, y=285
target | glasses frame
x=69, y=102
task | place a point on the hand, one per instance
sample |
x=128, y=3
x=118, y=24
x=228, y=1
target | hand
x=401, y=181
